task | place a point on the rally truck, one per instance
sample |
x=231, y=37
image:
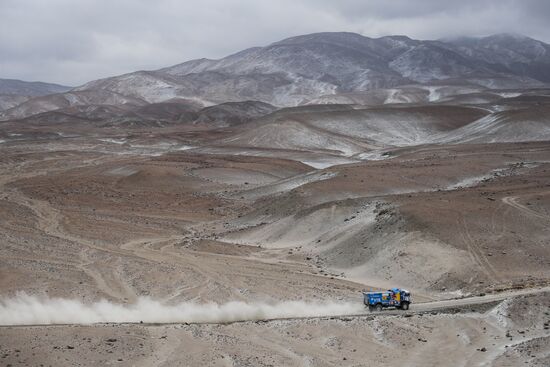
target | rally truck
x=395, y=297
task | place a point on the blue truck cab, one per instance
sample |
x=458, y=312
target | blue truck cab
x=395, y=297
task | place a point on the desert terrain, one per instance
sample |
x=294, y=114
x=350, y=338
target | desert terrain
x=175, y=232
x=309, y=204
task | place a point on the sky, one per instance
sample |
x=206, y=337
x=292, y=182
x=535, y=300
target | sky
x=74, y=41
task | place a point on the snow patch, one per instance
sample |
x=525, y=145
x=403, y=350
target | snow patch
x=500, y=313
x=508, y=94
x=64, y=135
x=326, y=163
x=434, y=94
x=114, y=141
x=290, y=183
x=374, y=156
x=122, y=171
x=185, y=147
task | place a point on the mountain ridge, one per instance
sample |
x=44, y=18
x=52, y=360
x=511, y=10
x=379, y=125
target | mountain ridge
x=299, y=69
x=14, y=91
x=350, y=62
x=20, y=87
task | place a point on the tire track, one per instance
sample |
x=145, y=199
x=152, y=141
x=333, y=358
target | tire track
x=476, y=255
x=49, y=222
x=513, y=202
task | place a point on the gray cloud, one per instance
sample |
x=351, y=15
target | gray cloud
x=72, y=42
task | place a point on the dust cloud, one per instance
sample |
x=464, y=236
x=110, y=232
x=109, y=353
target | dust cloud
x=24, y=309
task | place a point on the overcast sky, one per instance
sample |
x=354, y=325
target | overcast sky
x=74, y=41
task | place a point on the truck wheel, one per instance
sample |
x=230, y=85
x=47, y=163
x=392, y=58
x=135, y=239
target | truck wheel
x=405, y=306
x=378, y=307
x=371, y=308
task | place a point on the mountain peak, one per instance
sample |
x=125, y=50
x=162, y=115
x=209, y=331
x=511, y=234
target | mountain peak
x=507, y=36
x=497, y=37
x=397, y=37
x=323, y=37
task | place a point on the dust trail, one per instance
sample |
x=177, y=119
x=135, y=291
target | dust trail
x=31, y=310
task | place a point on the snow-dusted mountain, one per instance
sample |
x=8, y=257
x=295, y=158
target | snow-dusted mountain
x=14, y=92
x=508, y=53
x=297, y=69
x=21, y=88
x=304, y=68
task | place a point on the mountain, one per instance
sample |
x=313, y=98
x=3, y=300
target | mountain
x=14, y=92
x=508, y=53
x=21, y=88
x=305, y=68
x=297, y=69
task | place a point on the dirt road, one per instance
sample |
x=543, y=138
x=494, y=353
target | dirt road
x=190, y=313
